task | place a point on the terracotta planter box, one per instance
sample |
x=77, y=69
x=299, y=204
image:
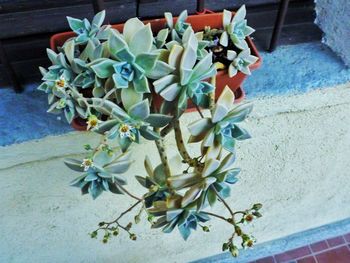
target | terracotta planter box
x=198, y=22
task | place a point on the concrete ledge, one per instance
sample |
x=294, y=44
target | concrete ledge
x=72, y=143
x=297, y=165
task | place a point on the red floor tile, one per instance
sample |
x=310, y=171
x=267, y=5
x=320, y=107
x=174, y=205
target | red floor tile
x=307, y=260
x=347, y=237
x=293, y=254
x=337, y=255
x=336, y=241
x=319, y=246
x=266, y=260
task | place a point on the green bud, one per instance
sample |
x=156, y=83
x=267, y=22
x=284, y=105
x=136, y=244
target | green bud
x=225, y=246
x=230, y=220
x=115, y=232
x=137, y=219
x=238, y=231
x=104, y=240
x=205, y=229
x=257, y=214
x=234, y=251
x=133, y=237
x=128, y=226
x=87, y=147
x=150, y=218
x=93, y=234
x=245, y=237
x=257, y=206
x=101, y=224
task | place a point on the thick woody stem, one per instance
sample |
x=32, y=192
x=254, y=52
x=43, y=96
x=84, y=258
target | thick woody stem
x=163, y=157
x=181, y=146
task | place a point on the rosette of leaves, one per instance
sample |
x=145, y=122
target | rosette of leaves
x=161, y=38
x=183, y=39
x=86, y=77
x=188, y=79
x=235, y=29
x=170, y=215
x=221, y=130
x=203, y=185
x=89, y=31
x=177, y=30
x=155, y=182
x=127, y=128
x=133, y=59
x=100, y=172
x=240, y=62
x=56, y=82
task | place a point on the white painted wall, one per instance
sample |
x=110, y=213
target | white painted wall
x=297, y=165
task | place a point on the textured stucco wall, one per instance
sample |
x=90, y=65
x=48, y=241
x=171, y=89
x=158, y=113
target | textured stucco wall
x=297, y=164
x=333, y=19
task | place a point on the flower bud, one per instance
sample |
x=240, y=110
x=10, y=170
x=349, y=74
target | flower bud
x=234, y=251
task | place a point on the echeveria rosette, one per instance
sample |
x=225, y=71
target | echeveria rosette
x=86, y=77
x=177, y=30
x=235, y=29
x=188, y=80
x=56, y=82
x=100, y=172
x=89, y=31
x=240, y=62
x=127, y=128
x=155, y=182
x=204, y=184
x=221, y=130
x=132, y=57
x=171, y=215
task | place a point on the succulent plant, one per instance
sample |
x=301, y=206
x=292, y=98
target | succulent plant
x=235, y=29
x=89, y=31
x=109, y=78
x=221, y=130
x=170, y=216
x=101, y=171
x=240, y=62
x=133, y=60
x=126, y=128
x=56, y=82
x=155, y=182
x=188, y=80
x=177, y=30
x=204, y=184
x=160, y=40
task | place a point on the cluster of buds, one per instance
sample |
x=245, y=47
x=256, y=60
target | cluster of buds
x=110, y=231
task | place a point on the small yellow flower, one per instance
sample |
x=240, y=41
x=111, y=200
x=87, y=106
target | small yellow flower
x=92, y=122
x=87, y=163
x=61, y=82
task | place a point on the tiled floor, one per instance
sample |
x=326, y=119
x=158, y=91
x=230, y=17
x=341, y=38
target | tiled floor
x=333, y=250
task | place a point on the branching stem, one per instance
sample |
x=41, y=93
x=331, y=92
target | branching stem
x=181, y=146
